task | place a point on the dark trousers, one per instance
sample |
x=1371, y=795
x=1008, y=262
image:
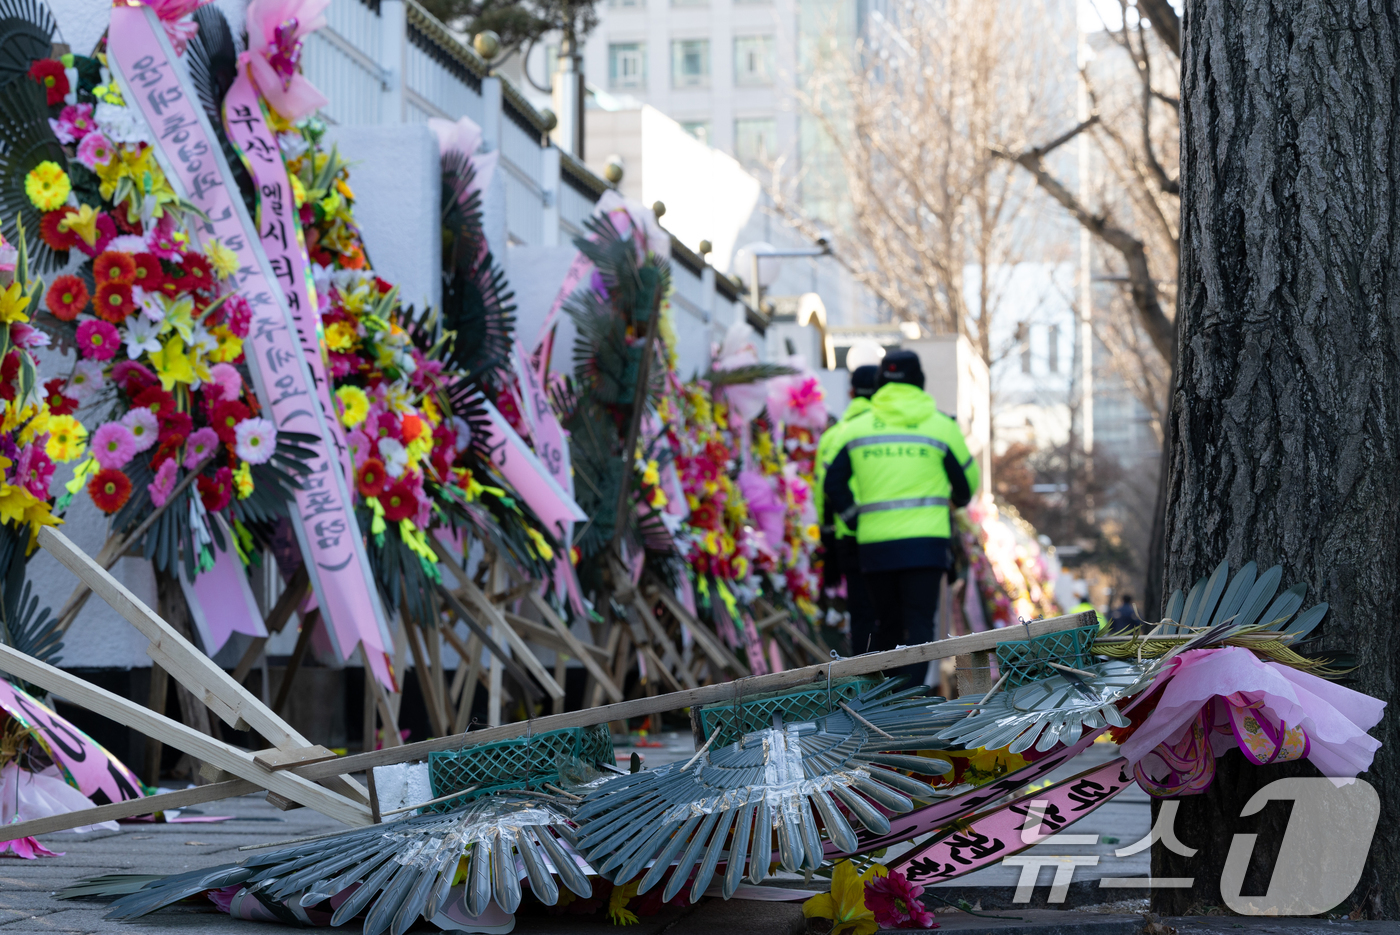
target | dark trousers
x=907, y=603
x=864, y=619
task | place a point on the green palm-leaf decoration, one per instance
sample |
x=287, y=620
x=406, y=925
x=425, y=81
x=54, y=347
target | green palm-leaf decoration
x=477, y=305
x=26, y=35
x=26, y=139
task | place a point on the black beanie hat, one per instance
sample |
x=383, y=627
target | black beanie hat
x=902, y=367
x=863, y=381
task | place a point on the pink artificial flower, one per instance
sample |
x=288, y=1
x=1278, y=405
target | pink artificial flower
x=98, y=340
x=34, y=470
x=95, y=150
x=133, y=377
x=256, y=440
x=161, y=238
x=201, y=445
x=896, y=904
x=238, y=315
x=113, y=445
x=87, y=379
x=106, y=232
x=144, y=427
x=22, y=335
x=361, y=448
x=225, y=382
x=342, y=365
x=164, y=484
x=275, y=32
x=73, y=123
x=175, y=17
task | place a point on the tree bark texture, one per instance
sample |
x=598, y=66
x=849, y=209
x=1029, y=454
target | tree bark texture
x=1286, y=408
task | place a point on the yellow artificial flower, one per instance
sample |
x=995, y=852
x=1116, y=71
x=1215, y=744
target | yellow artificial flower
x=658, y=499
x=83, y=223
x=298, y=191
x=430, y=411
x=36, y=423
x=47, y=186
x=813, y=532
x=542, y=546
x=845, y=904
x=618, y=914
x=354, y=404
x=172, y=364
x=230, y=345
x=344, y=188
x=224, y=260
x=19, y=506
x=652, y=475
x=341, y=336
x=13, y=303
x=330, y=203
x=179, y=315
x=243, y=480
x=67, y=438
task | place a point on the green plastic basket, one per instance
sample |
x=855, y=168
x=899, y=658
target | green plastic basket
x=1024, y=660
x=757, y=710
x=518, y=763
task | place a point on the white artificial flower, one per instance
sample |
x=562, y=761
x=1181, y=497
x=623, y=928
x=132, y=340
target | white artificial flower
x=142, y=336
x=255, y=440
x=203, y=340
x=121, y=124
x=464, y=433
x=71, y=97
x=292, y=145
x=394, y=455
x=127, y=243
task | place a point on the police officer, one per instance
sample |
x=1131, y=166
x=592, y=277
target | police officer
x=842, y=546
x=910, y=465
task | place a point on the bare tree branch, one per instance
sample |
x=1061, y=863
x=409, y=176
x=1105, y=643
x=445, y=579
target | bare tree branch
x=1164, y=19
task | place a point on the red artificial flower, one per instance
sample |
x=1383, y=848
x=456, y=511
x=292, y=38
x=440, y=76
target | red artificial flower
x=114, y=267
x=226, y=417
x=896, y=903
x=176, y=425
x=58, y=404
x=132, y=377
x=49, y=73
x=216, y=491
x=412, y=427
x=385, y=287
x=167, y=449
x=9, y=369
x=386, y=425
x=197, y=273
x=147, y=272
x=59, y=240
x=157, y=400
x=172, y=287
x=114, y=302
x=371, y=478
x=67, y=297
x=110, y=489
x=399, y=501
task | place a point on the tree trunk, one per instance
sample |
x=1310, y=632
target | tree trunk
x=1286, y=443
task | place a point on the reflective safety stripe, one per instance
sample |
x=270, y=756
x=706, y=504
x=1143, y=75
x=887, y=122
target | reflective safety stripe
x=896, y=439
x=968, y=463
x=908, y=503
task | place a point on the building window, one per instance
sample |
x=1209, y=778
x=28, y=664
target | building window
x=756, y=141
x=700, y=129
x=1023, y=344
x=1054, y=336
x=753, y=61
x=627, y=65
x=690, y=63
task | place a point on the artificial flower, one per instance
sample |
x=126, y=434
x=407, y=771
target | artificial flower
x=109, y=489
x=176, y=425
x=243, y=480
x=618, y=913
x=147, y=272
x=160, y=403
x=51, y=231
x=394, y=455
x=172, y=364
x=167, y=450
x=845, y=904
x=113, y=301
x=98, y=340
x=95, y=151
x=73, y=123
x=111, y=266
x=202, y=443
x=371, y=478
x=228, y=346
x=66, y=438
x=142, y=336
x=84, y=223
x=50, y=75
x=163, y=486
x=216, y=491
x=34, y=470
x=238, y=315
x=120, y=123
x=399, y=501
x=47, y=186
x=896, y=904
x=165, y=239
x=59, y=404
x=224, y=261
x=340, y=336
x=86, y=380
x=225, y=381
x=255, y=440
x=354, y=405
x=226, y=418
x=133, y=377
x=14, y=302
x=197, y=273
x=141, y=425
x=67, y=297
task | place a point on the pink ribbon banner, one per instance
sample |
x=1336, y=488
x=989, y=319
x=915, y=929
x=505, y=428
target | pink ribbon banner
x=86, y=764
x=528, y=475
x=145, y=64
x=221, y=602
x=1015, y=826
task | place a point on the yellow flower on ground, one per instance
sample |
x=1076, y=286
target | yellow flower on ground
x=84, y=224
x=224, y=260
x=243, y=480
x=13, y=303
x=845, y=904
x=47, y=186
x=618, y=914
x=354, y=405
x=67, y=438
x=341, y=336
x=173, y=364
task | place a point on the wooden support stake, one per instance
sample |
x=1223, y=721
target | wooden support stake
x=577, y=649
x=659, y=638
x=130, y=808
x=436, y=715
x=710, y=644
x=460, y=611
x=308, y=624
x=160, y=683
